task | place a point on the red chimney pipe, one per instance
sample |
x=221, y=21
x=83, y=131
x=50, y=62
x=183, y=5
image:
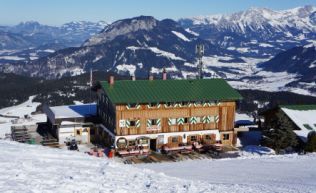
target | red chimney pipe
x=164, y=74
x=111, y=80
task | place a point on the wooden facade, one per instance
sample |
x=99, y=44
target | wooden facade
x=221, y=116
x=224, y=112
x=200, y=111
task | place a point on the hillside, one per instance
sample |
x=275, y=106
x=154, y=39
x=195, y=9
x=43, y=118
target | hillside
x=76, y=88
x=16, y=89
x=129, y=46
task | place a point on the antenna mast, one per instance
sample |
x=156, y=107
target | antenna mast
x=91, y=82
x=199, y=50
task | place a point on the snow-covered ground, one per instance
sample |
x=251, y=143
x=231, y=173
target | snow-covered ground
x=269, y=173
x=20, y=111
x=40, y=169
x=33, y=168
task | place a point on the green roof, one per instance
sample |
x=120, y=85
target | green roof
x=161, y=91
x=300, y=107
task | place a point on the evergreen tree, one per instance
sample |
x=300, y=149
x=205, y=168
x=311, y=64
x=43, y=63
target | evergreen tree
x=311, y=142
x=279, y=134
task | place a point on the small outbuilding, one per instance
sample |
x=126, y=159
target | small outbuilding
x=303, y=118
x=72, y=122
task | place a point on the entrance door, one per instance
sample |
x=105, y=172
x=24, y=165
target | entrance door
x=153, y=144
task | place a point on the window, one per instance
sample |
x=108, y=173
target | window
x=198, y=119
x=100, y=131
x=183, y=104
x=78, y=132
x=225, y=136
x=143, y=141
x=132, y=143
x=92, y=131
x=169, y=104
x=198, y=103
x=174, y=140
x=133, y=105
x=208, y=137
x=152, y=105
x=186, y=120
x=172, y=121
x=154, y=122
x=307, y=126
x=132, y=123
x=193, y=138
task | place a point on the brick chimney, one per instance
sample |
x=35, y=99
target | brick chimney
x=111, y=80
x=164, y=74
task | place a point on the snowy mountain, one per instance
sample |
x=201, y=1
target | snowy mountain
x=298, y=60
x=234, y=46
x=129, y=46
x=257, y=31
x=10, y=40
x=32, y=40
x=70, y=34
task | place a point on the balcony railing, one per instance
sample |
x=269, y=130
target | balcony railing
x=167, y=129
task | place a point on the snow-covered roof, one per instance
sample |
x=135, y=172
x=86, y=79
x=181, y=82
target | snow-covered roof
x=304, y=116
x=74, y=111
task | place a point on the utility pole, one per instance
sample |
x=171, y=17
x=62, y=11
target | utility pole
x=91, y=82
x=199, y=50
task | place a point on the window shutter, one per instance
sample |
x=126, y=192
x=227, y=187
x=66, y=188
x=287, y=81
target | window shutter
x=193, y=120
x=148, y=122
x=206, y=119
x=216, y=118
x=127, y=122
x=180, y=121
x=138, y=123
x=169, y=121
x=158, y=122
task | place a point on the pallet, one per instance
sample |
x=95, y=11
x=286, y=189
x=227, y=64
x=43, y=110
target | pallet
x=135, y=160
x=154, y=158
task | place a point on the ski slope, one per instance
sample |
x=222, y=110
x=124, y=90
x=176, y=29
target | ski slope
x=250, y=173
x=32, y=168
x=21, y=110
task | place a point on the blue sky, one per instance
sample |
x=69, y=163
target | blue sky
x=57, y=12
